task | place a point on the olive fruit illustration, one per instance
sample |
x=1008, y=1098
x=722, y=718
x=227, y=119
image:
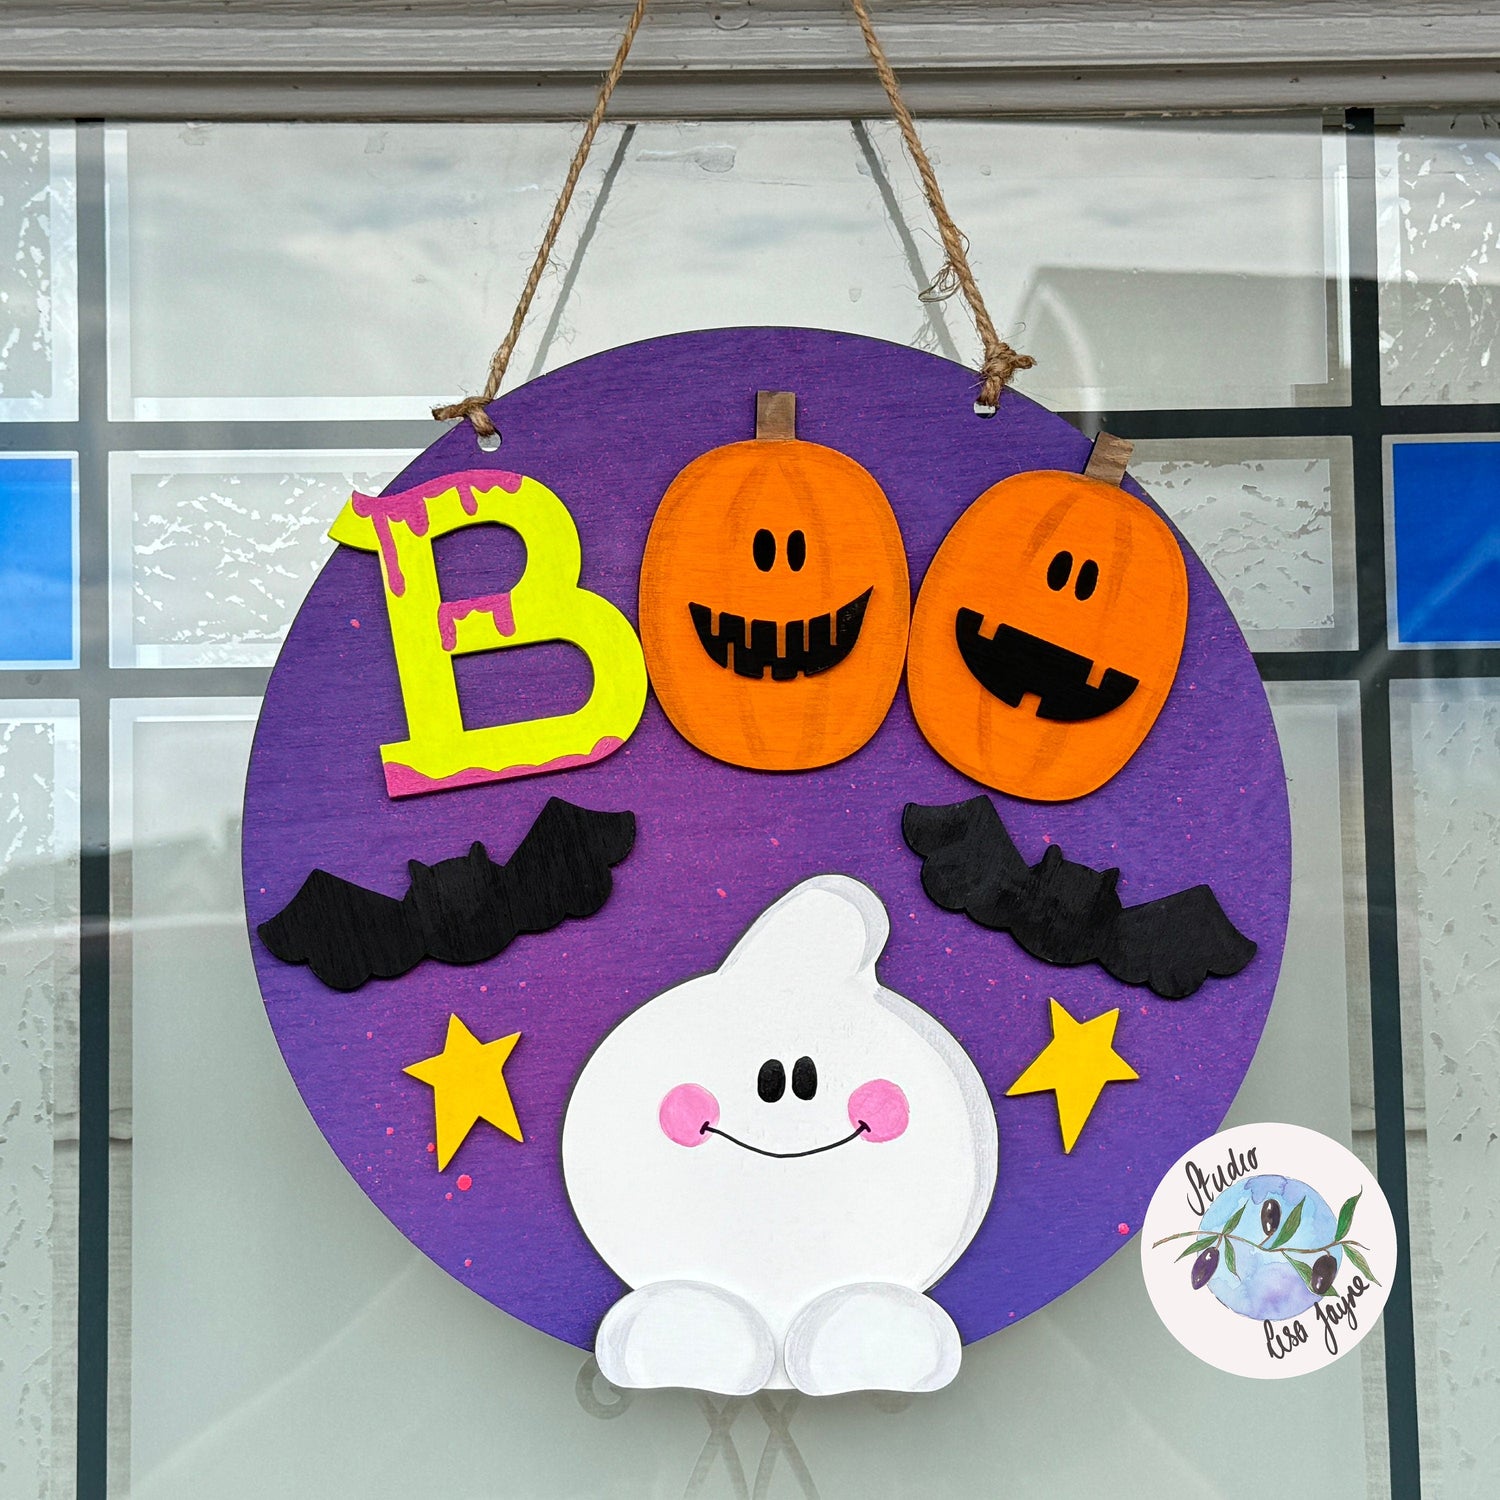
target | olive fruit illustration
x=1270, y=1216
x=1324, y=1269
x=1205, y=1266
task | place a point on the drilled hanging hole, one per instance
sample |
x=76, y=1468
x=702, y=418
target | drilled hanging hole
x=489, y=441
x=981, y=410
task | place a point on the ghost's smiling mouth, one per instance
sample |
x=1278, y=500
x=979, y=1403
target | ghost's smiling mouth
x=860, y=1129
x=812, y=646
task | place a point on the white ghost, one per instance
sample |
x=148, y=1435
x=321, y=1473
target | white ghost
x=780, y=1157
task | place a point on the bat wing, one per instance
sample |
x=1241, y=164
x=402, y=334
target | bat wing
x=343, y=933
x=1174, y=944
x=561, y=868
x=969, y=862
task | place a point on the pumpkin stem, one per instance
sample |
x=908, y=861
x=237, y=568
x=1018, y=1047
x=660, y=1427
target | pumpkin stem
x=1108, y=458
x=775, y=416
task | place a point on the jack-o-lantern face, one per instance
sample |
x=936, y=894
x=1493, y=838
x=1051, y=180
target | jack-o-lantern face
x=1046, y=635
x=774, y=600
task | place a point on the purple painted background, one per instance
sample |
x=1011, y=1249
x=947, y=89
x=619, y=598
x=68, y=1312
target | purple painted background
x=1203, y=800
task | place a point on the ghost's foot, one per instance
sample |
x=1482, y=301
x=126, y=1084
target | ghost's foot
x=685, y=1333
x=871, y=1337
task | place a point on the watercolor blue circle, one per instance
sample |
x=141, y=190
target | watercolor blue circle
x=1263, y=1283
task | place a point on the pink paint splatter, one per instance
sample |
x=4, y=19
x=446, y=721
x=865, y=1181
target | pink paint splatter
x=468, y=1263
x=447, y=1197
x=451, y=611
x=390, y=1130
x=431, y=1147
x=402, y=781
x=685, y=1112
x=465, y=1183
x=1122, y=1228
x=723, y=894
x=881, y=1106
x=354, y=623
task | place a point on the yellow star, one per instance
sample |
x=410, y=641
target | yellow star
x=1076, y=1064
x=468, y=1084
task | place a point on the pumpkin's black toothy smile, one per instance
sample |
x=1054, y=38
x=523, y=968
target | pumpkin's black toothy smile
x=1010, y=664
x=812, y=646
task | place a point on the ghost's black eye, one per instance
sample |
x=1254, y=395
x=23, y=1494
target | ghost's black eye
x=796, y=551
x=804, y=1078
x=771, y=1084
x=1059, y=570
x=1088, y=579
x=763, y=549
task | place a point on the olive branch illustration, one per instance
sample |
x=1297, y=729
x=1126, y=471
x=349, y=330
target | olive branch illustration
x=1318, y=1276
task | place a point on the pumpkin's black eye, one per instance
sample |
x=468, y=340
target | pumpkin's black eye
x=1088, y=579
x=771, y=1084
x=1059, y=570
x=804, y=1078
x=796, y=551
x=763, y=549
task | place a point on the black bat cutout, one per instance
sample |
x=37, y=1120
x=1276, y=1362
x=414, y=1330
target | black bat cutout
x=1067, y=913
x=459, y=911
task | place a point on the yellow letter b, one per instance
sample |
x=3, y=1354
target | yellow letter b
x=546, y=604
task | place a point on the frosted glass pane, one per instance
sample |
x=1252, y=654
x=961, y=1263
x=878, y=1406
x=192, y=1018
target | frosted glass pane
x=38, y=276
x=38, y=1095
x=330, y=271
x=358, y=1368
x=212, y=553
x=1151, y=264
x=1273, y=519
x=1180, y=242
x=1445, y=753
x=385, y=260
x=746, y=222
x=1438, y=181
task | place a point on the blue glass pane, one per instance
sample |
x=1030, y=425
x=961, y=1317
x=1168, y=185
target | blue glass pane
x=1446, y=502
x=36, y=560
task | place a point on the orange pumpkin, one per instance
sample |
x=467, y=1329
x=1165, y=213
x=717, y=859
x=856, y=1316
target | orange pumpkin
x=774, y=600
x=1046, y=635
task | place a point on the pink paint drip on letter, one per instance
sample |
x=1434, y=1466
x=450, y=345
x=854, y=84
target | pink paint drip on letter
x=451, y=611
x=410, y=506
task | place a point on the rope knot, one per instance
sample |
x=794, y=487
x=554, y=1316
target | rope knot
x=999, y=367
x=472, y=410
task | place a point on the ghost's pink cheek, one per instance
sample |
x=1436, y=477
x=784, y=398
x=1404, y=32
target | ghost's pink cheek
x=684, y=1113
x=881, y=1107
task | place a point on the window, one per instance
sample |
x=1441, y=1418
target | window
x=1290, y=315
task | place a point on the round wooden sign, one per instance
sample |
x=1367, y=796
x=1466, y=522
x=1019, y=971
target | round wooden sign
x=589, y=995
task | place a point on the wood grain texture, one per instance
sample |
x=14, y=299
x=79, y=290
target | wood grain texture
x=775, y=600
x=1067, y=913
x=1108, y=459
x=463, y=910
x=1046, y=637
x=457, y=58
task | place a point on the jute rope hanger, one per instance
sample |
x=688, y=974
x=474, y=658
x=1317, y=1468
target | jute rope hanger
x=1000, y=361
